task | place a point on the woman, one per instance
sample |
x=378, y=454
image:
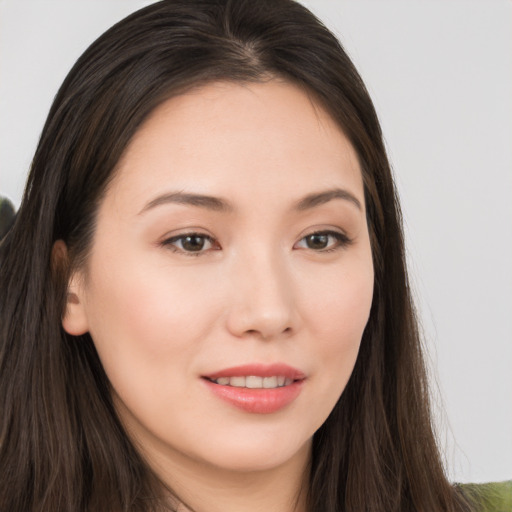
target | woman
x=204, y=295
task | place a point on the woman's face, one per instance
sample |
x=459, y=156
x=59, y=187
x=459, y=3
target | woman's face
x=230, y=277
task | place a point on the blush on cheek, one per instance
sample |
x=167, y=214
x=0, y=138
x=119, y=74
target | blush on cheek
x=159, y=322
x=350, y=304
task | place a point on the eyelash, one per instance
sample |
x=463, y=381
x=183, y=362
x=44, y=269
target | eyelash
x=341, y=239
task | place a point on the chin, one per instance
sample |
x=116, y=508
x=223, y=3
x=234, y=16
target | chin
x=257, y=453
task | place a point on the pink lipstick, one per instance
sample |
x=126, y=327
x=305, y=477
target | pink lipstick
x=257, y=388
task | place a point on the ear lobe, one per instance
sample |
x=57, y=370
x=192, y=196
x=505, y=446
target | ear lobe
x=74, y=320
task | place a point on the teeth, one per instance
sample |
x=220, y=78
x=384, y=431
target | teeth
x=270, y=382
x=255, y=382
x=238, y=382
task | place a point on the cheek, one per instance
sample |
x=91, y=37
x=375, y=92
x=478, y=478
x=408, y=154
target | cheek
x=147, y=303
x=338, y=302
x=338, y=312
x=145, y=324
x=146, y=328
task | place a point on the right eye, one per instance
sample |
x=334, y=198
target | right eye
x=191, y=244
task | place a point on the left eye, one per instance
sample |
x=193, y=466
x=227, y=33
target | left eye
x=191, y=243
x=323, y=241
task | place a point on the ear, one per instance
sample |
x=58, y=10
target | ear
x=74, y=320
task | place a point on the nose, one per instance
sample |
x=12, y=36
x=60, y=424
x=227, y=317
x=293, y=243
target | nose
x=262, y=302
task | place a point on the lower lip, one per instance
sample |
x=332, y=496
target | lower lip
x=257, y=401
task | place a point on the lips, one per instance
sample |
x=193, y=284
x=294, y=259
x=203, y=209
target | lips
x=256, y=388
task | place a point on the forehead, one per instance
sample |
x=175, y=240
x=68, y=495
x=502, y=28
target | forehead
x=256, y=135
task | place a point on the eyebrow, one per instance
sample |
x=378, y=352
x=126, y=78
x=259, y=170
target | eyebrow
x=319, y=198
x=220, y=205
x=199, y=200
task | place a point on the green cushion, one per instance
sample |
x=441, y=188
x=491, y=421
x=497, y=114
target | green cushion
x=491, y=497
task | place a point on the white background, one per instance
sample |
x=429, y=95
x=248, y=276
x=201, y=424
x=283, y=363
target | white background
x=440, y=73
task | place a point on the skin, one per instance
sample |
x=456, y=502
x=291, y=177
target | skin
x=260, y=289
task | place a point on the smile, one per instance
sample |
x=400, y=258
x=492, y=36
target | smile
x=257, y=388
x=254, y=382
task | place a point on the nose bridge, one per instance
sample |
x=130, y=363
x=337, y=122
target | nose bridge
x=263, y=296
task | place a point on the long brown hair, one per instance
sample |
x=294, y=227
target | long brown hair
x=62, y=447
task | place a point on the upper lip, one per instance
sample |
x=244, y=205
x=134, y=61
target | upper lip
x=259, y=370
